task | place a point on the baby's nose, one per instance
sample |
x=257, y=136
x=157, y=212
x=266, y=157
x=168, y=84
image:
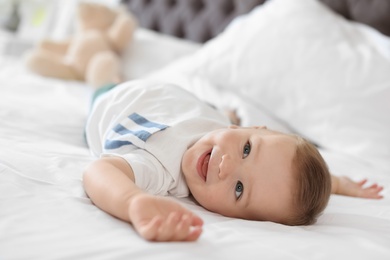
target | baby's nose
x=226, y=167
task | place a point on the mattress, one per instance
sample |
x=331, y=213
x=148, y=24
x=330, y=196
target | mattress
x=45, y=213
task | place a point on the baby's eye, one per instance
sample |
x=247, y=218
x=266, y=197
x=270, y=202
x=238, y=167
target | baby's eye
x=239, y=189
x=247, y=150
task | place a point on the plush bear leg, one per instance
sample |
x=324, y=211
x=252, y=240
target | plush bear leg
x=84, y=48
x=58, y=47
x=121, y=32
x=103, y=69
x=49, y=64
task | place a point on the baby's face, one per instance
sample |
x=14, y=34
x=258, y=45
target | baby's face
x=242, y=172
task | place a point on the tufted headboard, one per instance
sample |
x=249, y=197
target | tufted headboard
x=200, y=20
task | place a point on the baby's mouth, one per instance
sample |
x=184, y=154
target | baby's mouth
x=206, y=166
x=203, y=165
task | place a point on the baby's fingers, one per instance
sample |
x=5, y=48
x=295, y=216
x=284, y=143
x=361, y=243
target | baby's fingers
x=372, y=192
x=182, y=229
x=186, y=230
x=178, y=227
x=150, y=230
x=195, y=233
x=375, y=190
x=196, y=221
x=195, y=228
x=362, y=182
x=166, y=231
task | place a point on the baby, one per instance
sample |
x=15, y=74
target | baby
x=158, y=139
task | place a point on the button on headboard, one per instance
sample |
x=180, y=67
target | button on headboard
x=200, y=20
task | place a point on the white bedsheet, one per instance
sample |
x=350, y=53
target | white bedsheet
x=45, y=214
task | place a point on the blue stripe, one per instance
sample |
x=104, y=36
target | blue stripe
x=120, y=129
x=115, y=144
x=145, y=123
x=141, y=134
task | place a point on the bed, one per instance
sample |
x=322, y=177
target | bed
x=320, y=69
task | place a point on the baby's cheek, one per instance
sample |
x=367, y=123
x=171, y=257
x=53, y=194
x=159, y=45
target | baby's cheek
x=211, y=200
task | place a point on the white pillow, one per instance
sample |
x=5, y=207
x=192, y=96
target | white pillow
x=326, y=77
x=150, y=51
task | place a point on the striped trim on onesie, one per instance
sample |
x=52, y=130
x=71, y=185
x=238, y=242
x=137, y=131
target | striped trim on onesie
x=133, y=130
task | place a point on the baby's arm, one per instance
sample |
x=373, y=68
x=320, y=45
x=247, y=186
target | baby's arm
x=109, y=182
x=346, y=186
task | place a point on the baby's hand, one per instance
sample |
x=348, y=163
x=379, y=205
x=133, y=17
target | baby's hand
x=348, y=187
x=163, y=219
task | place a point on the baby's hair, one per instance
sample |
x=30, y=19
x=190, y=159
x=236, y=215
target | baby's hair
x=312, y=184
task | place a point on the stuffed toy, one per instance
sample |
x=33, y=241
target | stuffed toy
x=92, y=54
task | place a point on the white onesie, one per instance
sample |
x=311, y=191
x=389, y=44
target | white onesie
x=151, y=125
